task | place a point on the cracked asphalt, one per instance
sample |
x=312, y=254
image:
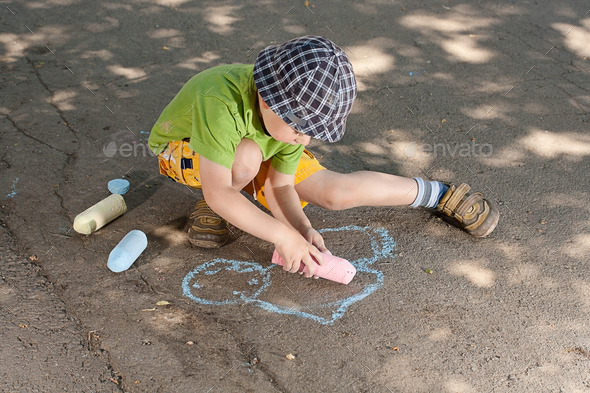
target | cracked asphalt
x=496, y=94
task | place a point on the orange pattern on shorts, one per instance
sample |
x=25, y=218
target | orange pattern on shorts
x=180, y=163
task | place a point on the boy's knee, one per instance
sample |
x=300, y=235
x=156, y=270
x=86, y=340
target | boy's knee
x=337, y=199
x=243, y=174
x=246, y=163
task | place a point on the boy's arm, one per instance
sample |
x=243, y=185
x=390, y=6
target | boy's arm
x=284, y=204
x=230, y=204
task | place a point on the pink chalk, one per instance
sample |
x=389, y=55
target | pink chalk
x=334, y=268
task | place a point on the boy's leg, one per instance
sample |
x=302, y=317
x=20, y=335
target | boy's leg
x=337, y=191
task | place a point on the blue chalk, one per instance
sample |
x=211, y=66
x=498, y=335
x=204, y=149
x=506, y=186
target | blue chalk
x=118, y=186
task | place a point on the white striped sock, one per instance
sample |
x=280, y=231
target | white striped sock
x=433, y=201
x=418, y=200
x=428, y=193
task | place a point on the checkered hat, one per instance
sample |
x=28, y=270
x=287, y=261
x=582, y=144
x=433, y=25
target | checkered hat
x=309, y=82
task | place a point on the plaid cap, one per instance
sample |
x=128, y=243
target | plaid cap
x=309, y=82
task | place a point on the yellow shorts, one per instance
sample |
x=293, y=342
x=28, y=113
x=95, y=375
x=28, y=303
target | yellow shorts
x=181, y=164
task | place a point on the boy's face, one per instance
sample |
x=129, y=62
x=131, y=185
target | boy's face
x=278, y=129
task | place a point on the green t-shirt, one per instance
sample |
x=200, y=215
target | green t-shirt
x=216, y=109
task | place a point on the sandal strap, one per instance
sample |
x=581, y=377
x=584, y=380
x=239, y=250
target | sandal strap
x=206, y=228
x=455, y=199
x=481, y=218
x=201, y=208
x=468, y=203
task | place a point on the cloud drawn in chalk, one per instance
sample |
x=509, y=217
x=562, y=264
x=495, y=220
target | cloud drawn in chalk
x=251, y=280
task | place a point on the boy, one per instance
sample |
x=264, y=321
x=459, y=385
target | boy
x=244, y=127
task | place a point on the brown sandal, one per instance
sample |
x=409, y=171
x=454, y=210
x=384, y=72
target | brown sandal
x=206, y=228
x=470, y=212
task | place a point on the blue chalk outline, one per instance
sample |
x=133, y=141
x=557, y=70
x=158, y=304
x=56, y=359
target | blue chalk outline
x=383, y=248
x=236, y=266
x=14, y=192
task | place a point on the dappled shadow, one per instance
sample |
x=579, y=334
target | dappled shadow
x=579, y=37
x=570, y=146
x=144, y=187
x=475, y=272
x=455, y=31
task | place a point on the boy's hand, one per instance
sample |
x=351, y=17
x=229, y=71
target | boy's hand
x=295, y=249
x=314, y=237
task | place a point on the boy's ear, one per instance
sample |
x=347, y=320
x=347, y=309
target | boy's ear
x=262, y=103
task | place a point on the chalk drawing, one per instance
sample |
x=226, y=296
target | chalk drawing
x=382, y=247
x=14, y=192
